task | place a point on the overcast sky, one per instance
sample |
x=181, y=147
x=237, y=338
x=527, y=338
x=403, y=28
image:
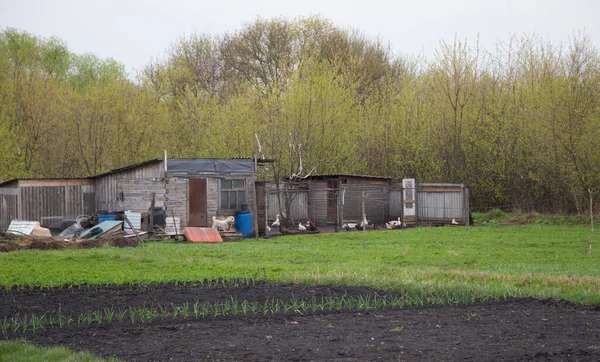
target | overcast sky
x=134, y=31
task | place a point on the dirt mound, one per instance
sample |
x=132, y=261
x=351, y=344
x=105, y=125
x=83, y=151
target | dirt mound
x=41, y=244
x=122, y=242
x=6, y=247
x=36, y=243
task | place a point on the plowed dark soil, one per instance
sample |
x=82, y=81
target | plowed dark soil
x=510, y=330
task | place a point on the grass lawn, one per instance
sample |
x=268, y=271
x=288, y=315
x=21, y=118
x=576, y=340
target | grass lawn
x=27, y=352
x=541, y=261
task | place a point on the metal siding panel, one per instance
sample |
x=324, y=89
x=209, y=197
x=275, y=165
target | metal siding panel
x=439, y=205
x=395, y=204
x=272, y=206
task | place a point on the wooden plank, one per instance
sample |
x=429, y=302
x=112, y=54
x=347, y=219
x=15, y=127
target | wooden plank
x=59, y=182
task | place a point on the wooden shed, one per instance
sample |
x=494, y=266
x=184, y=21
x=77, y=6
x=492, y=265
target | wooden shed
x=193, y=190
x=45, y=200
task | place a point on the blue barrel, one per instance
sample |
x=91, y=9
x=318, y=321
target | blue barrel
x=243, y=220
x=105, y=217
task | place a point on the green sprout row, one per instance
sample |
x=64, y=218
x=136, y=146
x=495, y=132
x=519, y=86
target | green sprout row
x=131, y=287
x=21, y=324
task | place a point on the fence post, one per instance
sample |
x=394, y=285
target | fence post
x=337, y=210
x=363, y=218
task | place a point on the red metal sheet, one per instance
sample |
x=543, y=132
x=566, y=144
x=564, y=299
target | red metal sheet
x=202, y=235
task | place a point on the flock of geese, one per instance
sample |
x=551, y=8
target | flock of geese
x=277, y=222
x=347, y=226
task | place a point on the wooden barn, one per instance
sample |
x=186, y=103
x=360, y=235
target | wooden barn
x=193, y=190
x=45, y=200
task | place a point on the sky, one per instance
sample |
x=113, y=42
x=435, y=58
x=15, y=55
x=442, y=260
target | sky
x=135, y=31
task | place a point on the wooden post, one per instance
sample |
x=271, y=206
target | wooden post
x=363, y=218
x=342, y=200
x=591, y=220
x=337, y=210
x=255, y=203
x=132, y=228
x=174, y=224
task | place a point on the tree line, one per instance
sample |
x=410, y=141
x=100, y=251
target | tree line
x=518, y=125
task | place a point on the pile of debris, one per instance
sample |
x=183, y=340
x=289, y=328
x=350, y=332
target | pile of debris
x=53, y=243
x=119, y=229
x=83, y=233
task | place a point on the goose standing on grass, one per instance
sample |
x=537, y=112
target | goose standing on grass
x=301, y=227
x=454, y=222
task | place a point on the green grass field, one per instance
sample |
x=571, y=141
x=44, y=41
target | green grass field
x=540, y=261
x=11, y=351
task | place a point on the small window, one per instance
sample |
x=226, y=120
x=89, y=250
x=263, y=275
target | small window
x=233, y=194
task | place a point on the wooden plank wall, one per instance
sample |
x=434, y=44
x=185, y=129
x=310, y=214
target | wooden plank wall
x=47, y=204
x=9, y=206
x=137, y=194
x=107, y=193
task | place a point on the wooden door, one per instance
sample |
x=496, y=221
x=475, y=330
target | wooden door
x=197, y=200
x=332, y=189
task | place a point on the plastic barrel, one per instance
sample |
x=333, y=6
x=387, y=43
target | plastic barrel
x=243, y=221
x=105, y=217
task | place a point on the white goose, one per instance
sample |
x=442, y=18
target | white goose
x=276, y=222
